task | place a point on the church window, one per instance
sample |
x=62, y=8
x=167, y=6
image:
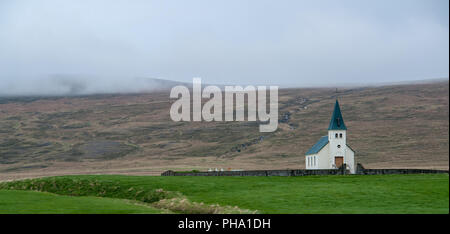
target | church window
x=336, y=135
x=339, y=146
x=340, y=135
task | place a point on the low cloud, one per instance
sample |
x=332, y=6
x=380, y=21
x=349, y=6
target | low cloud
x=72, y=85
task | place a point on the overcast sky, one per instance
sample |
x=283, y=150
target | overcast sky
x=231, y=41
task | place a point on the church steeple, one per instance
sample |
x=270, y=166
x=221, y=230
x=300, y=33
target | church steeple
x=337, y=122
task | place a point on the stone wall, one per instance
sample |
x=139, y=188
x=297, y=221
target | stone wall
x=302, y=172
x=360, y=170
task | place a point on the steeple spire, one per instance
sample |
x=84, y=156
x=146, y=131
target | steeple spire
x=337, y=122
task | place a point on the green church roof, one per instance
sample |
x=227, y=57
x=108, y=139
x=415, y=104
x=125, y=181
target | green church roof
x=323, y=141
x=337, y=122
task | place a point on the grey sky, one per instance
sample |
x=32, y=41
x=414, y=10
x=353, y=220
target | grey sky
x=230, y=41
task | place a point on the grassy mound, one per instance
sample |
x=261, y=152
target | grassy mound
x=32, y=202
x=102, y=187
x=74, y=186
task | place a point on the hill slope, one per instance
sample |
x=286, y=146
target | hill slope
x=389, y=126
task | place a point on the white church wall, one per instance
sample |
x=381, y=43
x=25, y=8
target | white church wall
x=325, y=160
x=350, y=160
x=319, y=160
x=311, y=161
x=324, y=155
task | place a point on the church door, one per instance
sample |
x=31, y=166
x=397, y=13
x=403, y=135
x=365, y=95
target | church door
x=338, y=161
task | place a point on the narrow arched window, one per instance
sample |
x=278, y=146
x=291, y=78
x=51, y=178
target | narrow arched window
x=336, y=135
x=340, y=135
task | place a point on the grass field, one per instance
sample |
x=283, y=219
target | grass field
x=401, y=194
x=32, y=202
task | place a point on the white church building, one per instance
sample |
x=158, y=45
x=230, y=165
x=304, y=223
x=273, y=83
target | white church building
x=332, y=151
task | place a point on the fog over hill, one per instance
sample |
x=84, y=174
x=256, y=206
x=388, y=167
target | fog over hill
x=74, y=85
x=71, y=85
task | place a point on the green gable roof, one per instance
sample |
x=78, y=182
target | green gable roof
x=323, y=141
x=337, y=122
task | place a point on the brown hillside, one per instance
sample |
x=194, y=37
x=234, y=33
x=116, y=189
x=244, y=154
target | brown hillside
x=404, y=126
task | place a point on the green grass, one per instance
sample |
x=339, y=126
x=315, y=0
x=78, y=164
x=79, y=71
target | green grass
x=32, y=202
x=400, y=194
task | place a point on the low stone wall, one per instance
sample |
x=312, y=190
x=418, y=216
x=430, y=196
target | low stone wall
x=260, y=173
x=400, y=171
x=360, y=170
x=341, y=171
